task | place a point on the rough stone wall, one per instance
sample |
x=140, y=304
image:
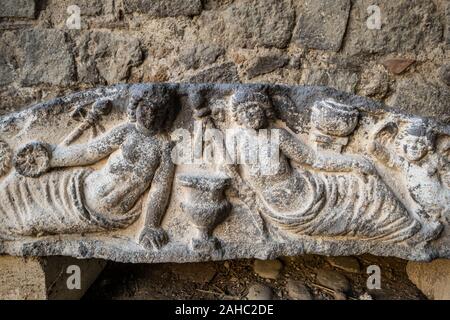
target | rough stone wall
x=406, y=63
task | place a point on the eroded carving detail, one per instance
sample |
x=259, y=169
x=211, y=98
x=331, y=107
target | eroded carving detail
x=93, y=175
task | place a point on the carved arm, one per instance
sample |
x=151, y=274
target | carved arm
x=88, y=153
x=152, y=237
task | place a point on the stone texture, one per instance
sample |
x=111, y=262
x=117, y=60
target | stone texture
x=432, y=278
x=107, y=58
x=259, y=292
x=340, y=79
x=406, y=26
x=265, y=64
x=322, y=24
x=8, y=57
x=297, y=290
x=417, y=95
x=44, y=278
x=225, y=72
x=333, y=280
x=268, y=269
x=444, y=73
x=251, y=23
x=17, y=8
x=48, y=58
x=164, y=8
x=200, y=55
x=349, y=264
x=374, y=82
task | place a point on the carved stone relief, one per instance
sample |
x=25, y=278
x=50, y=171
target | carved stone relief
x=181, y=172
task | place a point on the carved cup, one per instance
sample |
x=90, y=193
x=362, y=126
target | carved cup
x=205, y=205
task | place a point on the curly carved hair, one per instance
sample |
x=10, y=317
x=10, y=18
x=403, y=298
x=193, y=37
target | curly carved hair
x=242, y=98
x=418, y=128
x=158, y=98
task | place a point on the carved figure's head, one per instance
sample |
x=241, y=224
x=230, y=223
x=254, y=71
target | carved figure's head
x=416, y=140
x=152, y=108
x=251, y=109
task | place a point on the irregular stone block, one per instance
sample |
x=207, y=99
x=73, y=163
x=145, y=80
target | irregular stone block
x=404, y=26
x=259, y=22
x=48, y=57
x=171, y=172
x=200, y=55
x=433, y=278
x=322, y=24
x=265, y=64
x=225, y=72
x=46, y=278
x=8, y=57
x=419, y=95
x=106, y=57
x=164, y=8
x=17, y=8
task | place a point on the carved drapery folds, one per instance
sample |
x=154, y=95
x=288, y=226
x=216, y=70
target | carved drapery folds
x=180, y=172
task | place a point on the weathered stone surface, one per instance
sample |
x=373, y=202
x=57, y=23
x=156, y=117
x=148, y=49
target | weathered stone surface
x=349, y=264
x=444, y=73
x=265, y=64
x=432, y=278
x=405, y=26
x=45, y=278
x=322, y=24
x=107, y=173
x=48, y=57
x=164, y=8
x=259, y=292
x=107, y=57
x=297, y=290
x=200, y=55
x=374, y=82
x=333, y=280
x=252, y=23
x=340, y=79
x=225, y=72
x=8, y=57
x=268, y=269
x=416, y=95
x=17, y=8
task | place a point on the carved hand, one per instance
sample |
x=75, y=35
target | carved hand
x=153, y=238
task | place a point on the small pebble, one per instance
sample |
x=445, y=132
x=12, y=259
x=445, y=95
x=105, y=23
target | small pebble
x=268, y=269
x=333, y=280
x=259, y=292
x=297, y=290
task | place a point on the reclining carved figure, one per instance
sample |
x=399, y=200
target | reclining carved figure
x=58, y=194
x=328, y=194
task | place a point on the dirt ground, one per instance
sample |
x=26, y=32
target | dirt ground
x=232, y=279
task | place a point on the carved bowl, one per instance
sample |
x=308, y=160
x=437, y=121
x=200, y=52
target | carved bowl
x=206, y=204
x=333, y=118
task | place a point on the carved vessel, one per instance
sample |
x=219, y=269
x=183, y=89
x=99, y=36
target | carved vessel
x=206, y=206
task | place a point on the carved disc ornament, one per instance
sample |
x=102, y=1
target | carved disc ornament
x=195, y=172
x=32, y=160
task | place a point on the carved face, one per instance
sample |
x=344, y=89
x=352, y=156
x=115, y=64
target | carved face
x=146, y=116
x=251, y=115
x=415, y=148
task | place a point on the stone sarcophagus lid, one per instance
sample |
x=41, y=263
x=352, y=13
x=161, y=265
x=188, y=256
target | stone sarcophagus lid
x=184, y=172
